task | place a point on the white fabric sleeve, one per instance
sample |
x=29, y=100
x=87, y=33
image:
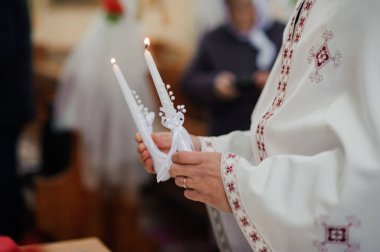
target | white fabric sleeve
x=236, y=141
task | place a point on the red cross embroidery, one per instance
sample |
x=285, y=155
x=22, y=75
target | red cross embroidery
x=336, y=235
x=254, y=237
x=244, y=221
x=229, y=169
x=302, y=21
x=309, y=4
x=263, y=249
x=231, y=186
x=236, y=204
x=322, y=57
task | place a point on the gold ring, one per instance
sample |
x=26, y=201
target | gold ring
x=184, y=183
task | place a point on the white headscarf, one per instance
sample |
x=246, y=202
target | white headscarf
x=263, y=17
x=257, y=36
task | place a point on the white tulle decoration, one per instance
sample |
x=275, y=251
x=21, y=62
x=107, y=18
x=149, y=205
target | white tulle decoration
x=170, y=118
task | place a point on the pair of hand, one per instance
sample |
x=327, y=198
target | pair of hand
x=224, y=84
x=197, y=172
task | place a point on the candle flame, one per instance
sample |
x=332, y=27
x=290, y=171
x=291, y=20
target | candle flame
x=147, y=42
x=113, y=61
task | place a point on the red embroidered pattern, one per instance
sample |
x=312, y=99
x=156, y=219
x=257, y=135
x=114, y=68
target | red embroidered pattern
x=322, y=57
x=250, y=231
x=215, y=218
x=336, y=235
x=293, y=37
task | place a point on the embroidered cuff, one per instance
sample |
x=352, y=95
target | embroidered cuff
x=229, y=164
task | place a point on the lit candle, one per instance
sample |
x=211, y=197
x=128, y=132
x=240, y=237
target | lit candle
x=151, y=64
x=157, y=80
x=170, y=117
x=160, y=159
x=132, y=104
x=127, y=93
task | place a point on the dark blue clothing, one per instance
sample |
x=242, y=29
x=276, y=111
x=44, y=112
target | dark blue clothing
x=15, y=108
x=221, y=50
x=15, y=64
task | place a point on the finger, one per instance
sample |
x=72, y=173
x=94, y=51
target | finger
x=148, y=165
x=180, y=181
x=144, y=155
x=180, y=171
x=163, y=140
x=141, y=147
x=138, y=138
x=184, y=182
x=193, y=195
x=185, y=157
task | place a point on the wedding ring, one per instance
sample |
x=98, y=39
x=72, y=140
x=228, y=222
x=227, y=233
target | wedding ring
x=184, y=183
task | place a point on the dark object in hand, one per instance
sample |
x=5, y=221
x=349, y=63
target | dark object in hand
x=244, y=83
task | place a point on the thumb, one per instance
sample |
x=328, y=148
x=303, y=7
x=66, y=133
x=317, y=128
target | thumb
x=163, y=140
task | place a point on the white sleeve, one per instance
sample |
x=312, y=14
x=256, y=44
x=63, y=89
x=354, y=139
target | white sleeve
x=236, y=141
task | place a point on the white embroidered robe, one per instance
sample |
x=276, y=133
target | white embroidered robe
x=306, y=177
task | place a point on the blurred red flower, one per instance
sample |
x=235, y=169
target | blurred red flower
x=113, y=7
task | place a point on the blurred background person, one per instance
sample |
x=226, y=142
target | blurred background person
x=232, y=64
x=90, y=101
x=16, y=108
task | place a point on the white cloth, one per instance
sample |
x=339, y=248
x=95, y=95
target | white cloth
x=89, y=100
x=307, y=175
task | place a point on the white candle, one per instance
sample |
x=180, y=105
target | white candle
x=151, y=64
x=163, y=95
x=157, y=80
x=160, y=160
x=132, y=104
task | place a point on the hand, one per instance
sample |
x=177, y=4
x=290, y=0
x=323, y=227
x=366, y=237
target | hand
x=203, y=182
x=163, y=140
x=260, y=78
x=224, y=86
